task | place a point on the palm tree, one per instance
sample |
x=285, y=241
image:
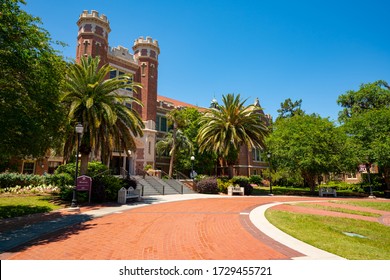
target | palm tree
x=172, y=143
x=224, y=128
x=175, y=139
x=95, y=102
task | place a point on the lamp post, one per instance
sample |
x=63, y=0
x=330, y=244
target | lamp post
x=79, y=130
x=270, y=175
x=128, y=174
x=192, y=168
x=368, y=166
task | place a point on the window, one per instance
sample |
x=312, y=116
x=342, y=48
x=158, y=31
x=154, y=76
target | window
x=116, y=73
x=28, y=167
x=161, y=123
x=256, y=154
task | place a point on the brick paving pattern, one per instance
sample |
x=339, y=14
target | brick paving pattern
x=201, y=229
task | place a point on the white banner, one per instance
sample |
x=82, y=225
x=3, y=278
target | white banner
x=253, y=269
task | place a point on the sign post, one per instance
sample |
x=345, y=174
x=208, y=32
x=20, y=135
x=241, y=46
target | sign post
x=84, y=183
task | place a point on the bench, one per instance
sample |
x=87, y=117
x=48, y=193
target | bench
x=327, y=191
x=130, y=193
x=235, y=189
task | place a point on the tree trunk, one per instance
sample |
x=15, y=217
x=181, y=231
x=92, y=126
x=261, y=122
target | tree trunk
x=386, y=171
x=310, y=179
x=84, y=164
x=171, y=161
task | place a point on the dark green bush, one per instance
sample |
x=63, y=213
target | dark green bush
x=256, y=179
x=60, y=180
x=105, y=188
x=208, y=185
x=9, y=180
x=243, y=182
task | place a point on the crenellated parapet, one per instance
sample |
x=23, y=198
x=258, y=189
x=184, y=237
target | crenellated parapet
x=93, y=22
x=146, y=48
x=122, y=53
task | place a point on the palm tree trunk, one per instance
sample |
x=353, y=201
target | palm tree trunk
x=171, y=163
x=84, y=164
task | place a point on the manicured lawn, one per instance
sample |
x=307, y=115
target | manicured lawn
x=385, y=206
x=15, y=206
x=327, y=234
x=337, y=209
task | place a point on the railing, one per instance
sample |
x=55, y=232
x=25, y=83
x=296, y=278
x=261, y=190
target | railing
x=105, y=171
x=124, y=173
x=180, y=175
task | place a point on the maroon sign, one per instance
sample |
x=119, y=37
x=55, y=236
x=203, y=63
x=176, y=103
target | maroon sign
x=83, y=183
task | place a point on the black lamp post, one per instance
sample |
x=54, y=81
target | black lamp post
x=368, y=166
x=270, y=175
x=128, y=173
x=192, y=168
x=79, y=130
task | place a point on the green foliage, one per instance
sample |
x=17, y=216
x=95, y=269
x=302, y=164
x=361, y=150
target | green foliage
x=8, y=180
x=31, y=71
x=370, y=96
x=366, y=119
x=231, y=125
x=308, y=145
x=105, y=188
x=94, y=101
x=243, y=182
x=223, y=184
x=60, y=180
x=147, y=167
x=289, y=109
x=16, y=206
x=94, y=168
x=256, y=179
x=208, y=185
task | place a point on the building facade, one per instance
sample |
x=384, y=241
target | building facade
x=142, y=62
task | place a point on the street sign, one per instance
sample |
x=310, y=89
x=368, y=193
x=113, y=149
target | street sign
x=84, y=183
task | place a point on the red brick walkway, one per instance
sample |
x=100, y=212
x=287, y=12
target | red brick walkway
x=202, y=229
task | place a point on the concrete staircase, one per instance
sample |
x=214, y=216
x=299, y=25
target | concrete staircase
x=155, y=186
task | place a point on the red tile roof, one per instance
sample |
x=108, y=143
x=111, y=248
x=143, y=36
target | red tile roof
x=178, y=103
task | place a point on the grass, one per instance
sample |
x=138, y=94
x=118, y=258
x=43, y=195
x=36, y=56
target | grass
x=385, y=206
x=15, y=206
x=337, y=209
x=327, y=234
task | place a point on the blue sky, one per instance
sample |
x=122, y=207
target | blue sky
x=273, y=50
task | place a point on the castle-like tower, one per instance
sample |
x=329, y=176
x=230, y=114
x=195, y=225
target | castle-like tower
x=92, y=40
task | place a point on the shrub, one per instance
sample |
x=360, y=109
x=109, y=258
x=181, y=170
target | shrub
x=9, y=180
x=60, y=180
x=223, y=184
x=256, y=179
x=208, y=185
x=105, y=188
x=243, y=182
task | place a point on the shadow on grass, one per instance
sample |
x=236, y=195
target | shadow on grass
x=11, y=211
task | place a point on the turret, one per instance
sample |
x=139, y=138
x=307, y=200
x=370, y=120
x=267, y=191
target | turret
x=92, y=36
x=146, y=52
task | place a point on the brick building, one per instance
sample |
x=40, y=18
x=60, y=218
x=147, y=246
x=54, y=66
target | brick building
x=142, y=62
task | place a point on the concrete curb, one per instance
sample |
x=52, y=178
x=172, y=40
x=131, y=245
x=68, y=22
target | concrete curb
x=257, y=217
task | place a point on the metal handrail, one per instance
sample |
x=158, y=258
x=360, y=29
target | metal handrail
x=105, y=171
x=182, y=175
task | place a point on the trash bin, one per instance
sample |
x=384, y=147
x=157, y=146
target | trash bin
x=387, y=193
